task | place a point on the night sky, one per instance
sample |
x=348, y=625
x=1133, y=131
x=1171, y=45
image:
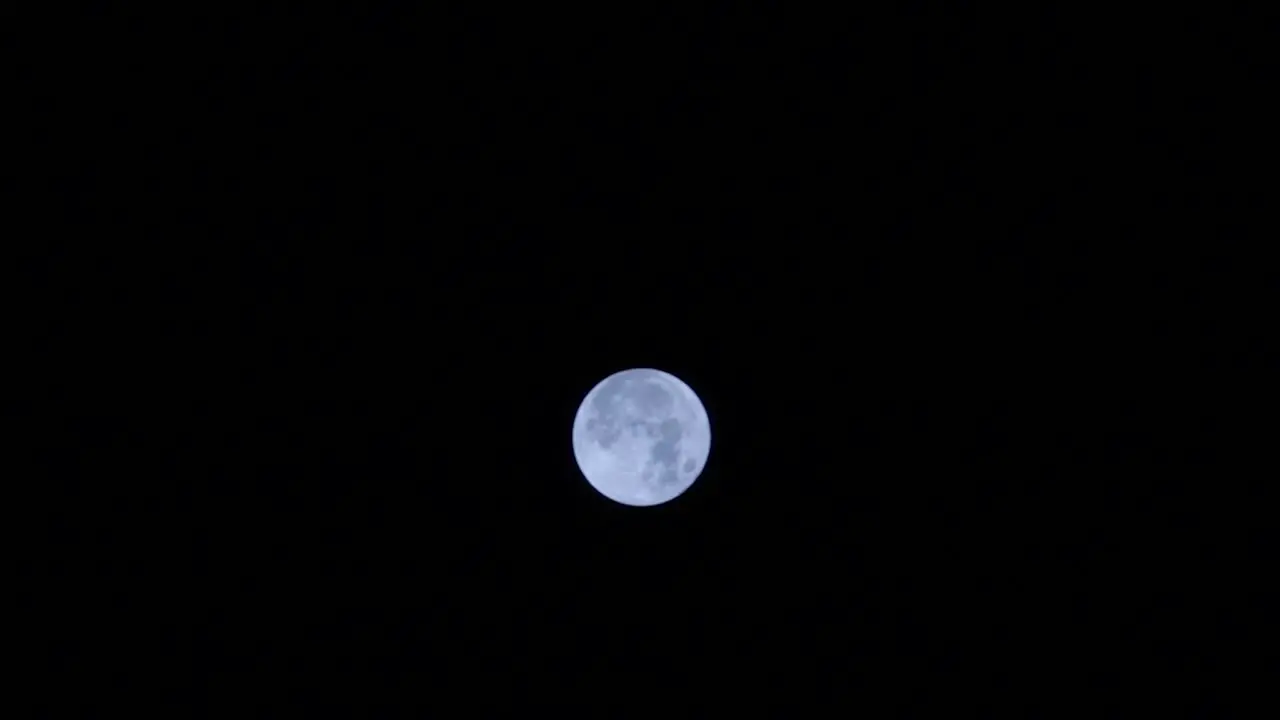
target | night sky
x=334, y=288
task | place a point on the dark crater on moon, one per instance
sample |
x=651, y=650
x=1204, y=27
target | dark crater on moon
x=625, y=402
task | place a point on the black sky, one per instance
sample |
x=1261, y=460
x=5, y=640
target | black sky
x=338, y=285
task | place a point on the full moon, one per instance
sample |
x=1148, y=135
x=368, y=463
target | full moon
x=641, y=437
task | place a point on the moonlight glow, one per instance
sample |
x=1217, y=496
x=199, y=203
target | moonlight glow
x=641, y=437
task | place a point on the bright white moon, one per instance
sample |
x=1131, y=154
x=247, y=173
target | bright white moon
x=641, y=437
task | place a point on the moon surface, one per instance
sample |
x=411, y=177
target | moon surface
x=641, y=437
